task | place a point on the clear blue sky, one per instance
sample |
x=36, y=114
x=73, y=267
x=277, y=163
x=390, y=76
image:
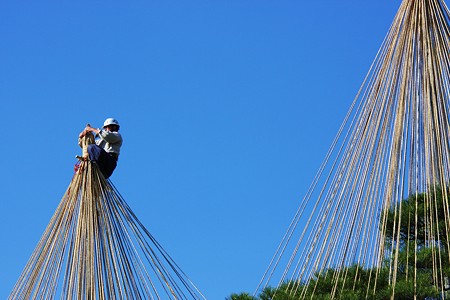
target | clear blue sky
x=227, y=110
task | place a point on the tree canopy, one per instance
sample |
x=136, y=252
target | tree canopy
x=418, y=224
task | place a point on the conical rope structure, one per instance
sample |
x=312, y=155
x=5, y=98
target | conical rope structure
x=393, y=145
x=95, y=248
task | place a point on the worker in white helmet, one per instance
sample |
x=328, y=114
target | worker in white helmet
x=106, y=149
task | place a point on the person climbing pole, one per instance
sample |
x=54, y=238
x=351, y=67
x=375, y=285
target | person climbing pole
x=105, y=149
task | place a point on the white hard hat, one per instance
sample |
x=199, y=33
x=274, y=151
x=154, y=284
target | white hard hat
x=111, y=121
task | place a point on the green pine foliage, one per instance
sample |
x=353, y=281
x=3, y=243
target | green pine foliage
x=420, y=206
x=416, y=256
x=241, y=296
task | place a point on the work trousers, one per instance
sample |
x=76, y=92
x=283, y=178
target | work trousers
x=105, y=161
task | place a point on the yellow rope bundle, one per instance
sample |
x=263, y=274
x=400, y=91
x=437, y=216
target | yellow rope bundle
x=95, y=248
x=394, y=142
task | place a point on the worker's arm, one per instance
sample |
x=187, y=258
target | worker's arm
x=89, y=129
x=110, y=137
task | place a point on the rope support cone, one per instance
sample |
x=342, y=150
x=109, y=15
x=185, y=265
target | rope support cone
x=96, y=248
x=84, y=143
x=380, y=201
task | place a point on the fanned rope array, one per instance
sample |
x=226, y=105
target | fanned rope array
x=95, y=248
x=394, y=142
